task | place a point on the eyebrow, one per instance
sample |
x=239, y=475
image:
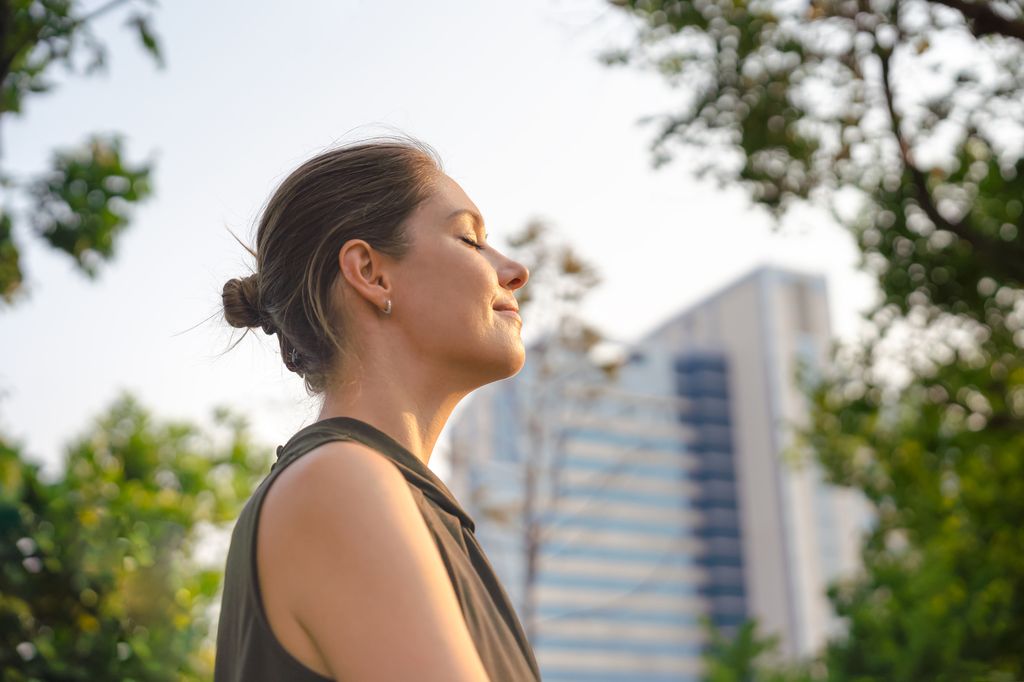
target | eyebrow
x=477, y=218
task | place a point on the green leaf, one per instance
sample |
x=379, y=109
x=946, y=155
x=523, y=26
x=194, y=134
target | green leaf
x=10, y=267
x=147, y=37
x=97, y=572
x=83, y=203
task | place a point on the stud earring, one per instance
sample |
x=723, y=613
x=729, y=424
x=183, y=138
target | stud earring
x=387, y=309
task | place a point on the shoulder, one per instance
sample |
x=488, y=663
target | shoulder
x=334, y=466
x=358, y=567
x=339, y=490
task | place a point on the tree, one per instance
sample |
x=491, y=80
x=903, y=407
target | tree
x=942, y=596
x=865, y=108
x=97, y=576
x=83, y=202
x=742, y=657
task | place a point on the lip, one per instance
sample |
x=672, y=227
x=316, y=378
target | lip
x=508, y=312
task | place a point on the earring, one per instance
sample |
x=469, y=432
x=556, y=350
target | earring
x=387, y=309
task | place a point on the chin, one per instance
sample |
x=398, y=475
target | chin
x=507, y=365
x=518, y=362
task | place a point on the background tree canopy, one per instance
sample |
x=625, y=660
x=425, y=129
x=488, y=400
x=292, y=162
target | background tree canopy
x=905, y=119
x=82, y=203
x=98, y=576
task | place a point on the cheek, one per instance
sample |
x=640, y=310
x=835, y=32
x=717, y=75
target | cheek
x=450, y=294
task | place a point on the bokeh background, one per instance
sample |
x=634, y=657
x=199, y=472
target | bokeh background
x=674, y=147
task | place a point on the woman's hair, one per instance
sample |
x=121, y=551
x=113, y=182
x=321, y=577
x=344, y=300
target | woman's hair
x=363, y=190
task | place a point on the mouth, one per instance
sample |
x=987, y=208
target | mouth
x=509, y=312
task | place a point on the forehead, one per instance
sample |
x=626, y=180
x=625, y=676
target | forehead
x=450, y=203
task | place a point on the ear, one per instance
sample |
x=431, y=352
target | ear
x=364, y=268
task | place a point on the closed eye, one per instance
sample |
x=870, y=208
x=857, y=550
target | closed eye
x=472, y=243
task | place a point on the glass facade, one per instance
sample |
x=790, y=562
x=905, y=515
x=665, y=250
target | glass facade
x=702, y=382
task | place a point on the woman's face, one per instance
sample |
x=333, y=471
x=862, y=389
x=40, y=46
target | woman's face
x=446, y=292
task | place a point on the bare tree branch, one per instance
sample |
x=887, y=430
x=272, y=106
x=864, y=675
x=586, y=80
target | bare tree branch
x=961, y=228
x=101, y=10
x=982, y=20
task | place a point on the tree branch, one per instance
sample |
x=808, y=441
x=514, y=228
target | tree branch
x=923, y=196
x=982, y=20
x=961, y=228
x=101, y=10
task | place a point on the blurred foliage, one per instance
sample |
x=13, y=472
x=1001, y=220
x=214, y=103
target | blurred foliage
x=81, y=204
x=97, y=577
x=796, y=101
x=743, y=656
x=903, y=118
x=942, y=462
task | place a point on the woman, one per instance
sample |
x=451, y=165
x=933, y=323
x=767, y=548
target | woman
x=352, y=560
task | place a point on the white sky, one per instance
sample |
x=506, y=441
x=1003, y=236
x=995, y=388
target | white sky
x=511, y=95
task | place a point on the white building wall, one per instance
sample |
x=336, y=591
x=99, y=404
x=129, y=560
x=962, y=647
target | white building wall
x=799, y=533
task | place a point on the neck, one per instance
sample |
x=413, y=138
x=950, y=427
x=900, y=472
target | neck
x=400, y=398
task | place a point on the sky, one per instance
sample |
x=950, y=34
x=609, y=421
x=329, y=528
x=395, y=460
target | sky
x=511, y=95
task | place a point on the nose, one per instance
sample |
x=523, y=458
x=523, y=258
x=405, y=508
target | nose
x=513, y=275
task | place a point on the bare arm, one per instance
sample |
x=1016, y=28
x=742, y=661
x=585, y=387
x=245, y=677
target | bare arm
x=366, y=579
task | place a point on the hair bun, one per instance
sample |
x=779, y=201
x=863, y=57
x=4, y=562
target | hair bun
x=241, y=302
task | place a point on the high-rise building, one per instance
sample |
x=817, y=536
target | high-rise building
x=661, y=495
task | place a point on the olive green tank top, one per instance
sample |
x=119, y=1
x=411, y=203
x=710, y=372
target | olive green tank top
x=247, y=649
